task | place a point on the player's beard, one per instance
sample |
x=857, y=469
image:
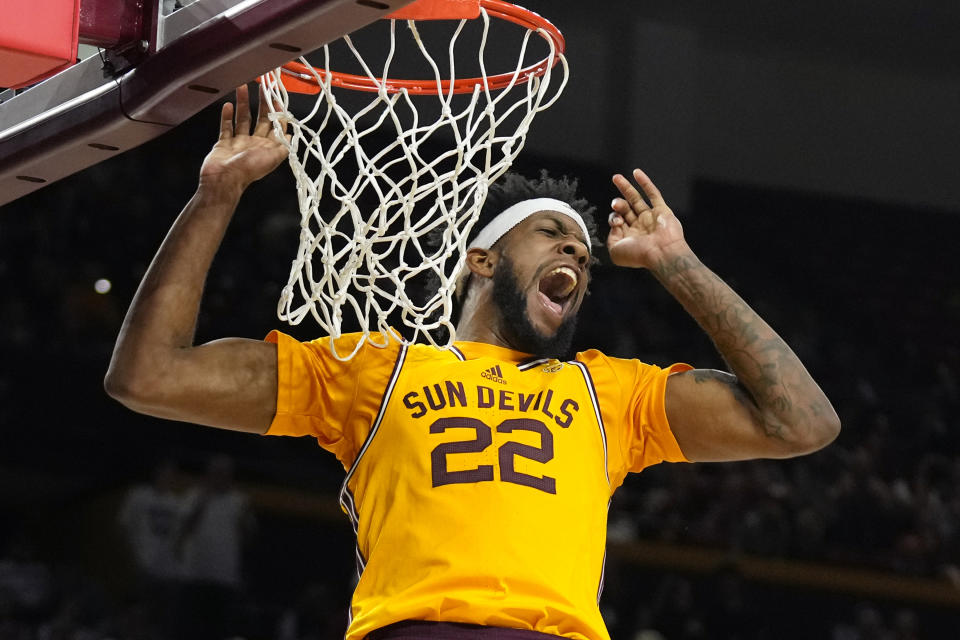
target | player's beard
x=516, y=325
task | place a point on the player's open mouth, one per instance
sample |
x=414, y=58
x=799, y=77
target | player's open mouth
x=556, y=289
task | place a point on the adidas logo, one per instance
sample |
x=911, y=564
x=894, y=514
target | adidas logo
x=494, y=374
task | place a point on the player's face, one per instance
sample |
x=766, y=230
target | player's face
x=540, y=282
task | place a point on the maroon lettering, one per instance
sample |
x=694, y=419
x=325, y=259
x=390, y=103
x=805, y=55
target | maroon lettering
x=506, y=400
x=524, y=401
x=409, y=401
x=546, y=403
x=565, y=407
x=438, y=457
x=440, y=402
x=484, y=397
x=456, y=392
x=506, y=454
x=543, y=453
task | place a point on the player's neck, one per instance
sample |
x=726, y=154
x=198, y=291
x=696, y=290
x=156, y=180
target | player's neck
x=474, y=331
x=480, y=320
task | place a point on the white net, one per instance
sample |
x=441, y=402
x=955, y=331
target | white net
x=403, y=208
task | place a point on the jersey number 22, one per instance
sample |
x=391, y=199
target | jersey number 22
x=506, y=454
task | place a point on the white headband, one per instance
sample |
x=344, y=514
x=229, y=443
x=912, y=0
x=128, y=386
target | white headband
x=514, y=215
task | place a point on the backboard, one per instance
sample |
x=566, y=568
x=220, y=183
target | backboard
x=109, y=103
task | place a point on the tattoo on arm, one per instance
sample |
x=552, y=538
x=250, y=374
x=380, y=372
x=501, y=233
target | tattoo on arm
x=770, y=381
x=741, y=394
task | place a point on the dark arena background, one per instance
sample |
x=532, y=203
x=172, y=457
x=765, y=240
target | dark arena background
x=811, y=152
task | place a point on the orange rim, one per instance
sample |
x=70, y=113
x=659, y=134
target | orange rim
x=301, y=78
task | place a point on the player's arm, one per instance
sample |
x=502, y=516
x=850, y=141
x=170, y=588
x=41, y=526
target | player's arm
x=769, y=407
x=156, y=368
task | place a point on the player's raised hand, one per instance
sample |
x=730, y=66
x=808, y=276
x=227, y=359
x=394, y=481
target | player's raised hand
x=643, y=232
x=242, y=155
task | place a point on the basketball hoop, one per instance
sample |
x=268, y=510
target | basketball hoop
x=303, y=78
x=371, y=261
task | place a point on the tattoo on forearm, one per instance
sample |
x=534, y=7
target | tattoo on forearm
x=769, y=379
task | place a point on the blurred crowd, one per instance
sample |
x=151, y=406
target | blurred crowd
x=843, y=505
x=181, y=545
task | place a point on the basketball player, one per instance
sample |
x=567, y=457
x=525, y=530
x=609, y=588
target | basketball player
x=478, y=478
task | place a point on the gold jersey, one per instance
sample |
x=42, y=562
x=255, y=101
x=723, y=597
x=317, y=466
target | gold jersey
x=478, y=478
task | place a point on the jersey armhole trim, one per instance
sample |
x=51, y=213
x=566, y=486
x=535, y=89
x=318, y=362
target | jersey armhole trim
x=346, y=497
x=591, y=389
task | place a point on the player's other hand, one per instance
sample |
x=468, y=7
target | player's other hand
x=242, y=155
x=642, y=234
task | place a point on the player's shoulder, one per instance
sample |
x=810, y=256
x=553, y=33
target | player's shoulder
x=347, y=346
x=349, y=342
x=429, y=354
x=597, y=358
x=619, y=370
